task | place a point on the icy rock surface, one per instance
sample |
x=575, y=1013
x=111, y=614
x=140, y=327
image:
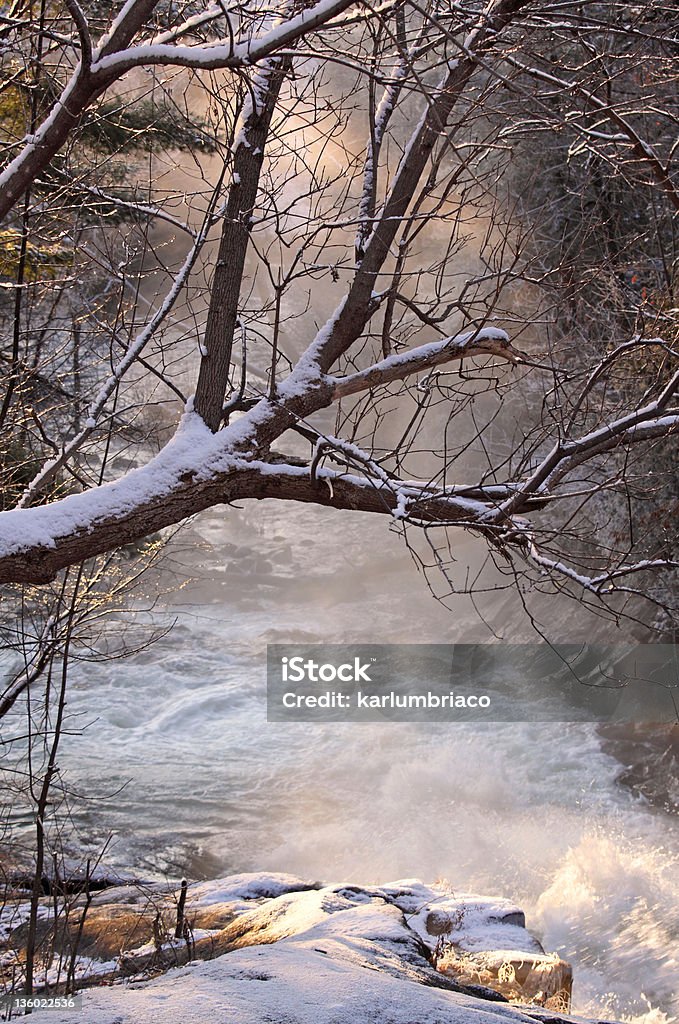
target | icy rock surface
x=298, y=952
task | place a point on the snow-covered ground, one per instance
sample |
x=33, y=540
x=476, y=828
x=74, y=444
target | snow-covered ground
x=305, y=953
x=289, y=983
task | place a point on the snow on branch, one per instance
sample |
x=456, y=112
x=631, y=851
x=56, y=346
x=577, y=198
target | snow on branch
x=212, y=13
x=52, y=467
x=143, y=209
x=114, y=56
x=197, y=470
x=603, y=582
x=221, y=53
x=378, y=128
x=653, y=420
x=485, y=341
x=200, y=469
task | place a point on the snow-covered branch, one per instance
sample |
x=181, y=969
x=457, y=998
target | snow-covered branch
x=114, y=57
x=379, y=123
x=221, y=53
x=49, y=470
x=603, y=583
x=485, y=341
x=196, y=470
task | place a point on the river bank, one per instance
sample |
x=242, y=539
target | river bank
x=257, y=947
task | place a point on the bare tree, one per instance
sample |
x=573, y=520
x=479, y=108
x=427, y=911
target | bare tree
x=361, y=148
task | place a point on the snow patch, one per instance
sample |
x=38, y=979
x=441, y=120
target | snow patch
x=323, y=955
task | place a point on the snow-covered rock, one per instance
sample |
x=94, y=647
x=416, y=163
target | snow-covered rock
x=297, y=952
x=286, y=983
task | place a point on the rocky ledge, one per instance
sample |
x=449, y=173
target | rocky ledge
x=253, y=948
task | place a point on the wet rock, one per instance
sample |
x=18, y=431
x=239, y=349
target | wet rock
x=515, y=917
x=649, y=756
x=439, y=922
x=521, y=977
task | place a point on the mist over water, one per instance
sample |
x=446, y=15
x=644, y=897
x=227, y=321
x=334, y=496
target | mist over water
x=530, y=811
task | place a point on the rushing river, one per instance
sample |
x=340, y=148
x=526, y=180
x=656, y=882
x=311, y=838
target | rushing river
x=528, y=811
